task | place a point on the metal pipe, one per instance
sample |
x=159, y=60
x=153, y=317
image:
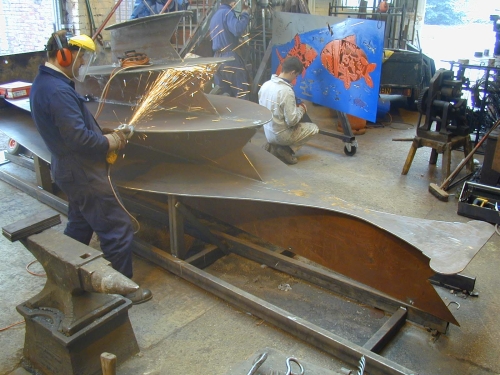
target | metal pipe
x=107, y=19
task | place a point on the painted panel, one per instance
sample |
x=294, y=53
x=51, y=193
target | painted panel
x=343, y=60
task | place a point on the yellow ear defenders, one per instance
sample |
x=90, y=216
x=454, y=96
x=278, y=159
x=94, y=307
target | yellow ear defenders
x=63, y=56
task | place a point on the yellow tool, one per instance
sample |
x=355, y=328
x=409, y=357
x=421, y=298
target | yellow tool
x=480, y=201
x=111, y=157
x=126, y=129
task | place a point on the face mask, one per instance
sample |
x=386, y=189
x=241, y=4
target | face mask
x=83, y=60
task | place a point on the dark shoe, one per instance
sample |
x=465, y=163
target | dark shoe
x=285, y=154
x=267, y=146
x=139, y=296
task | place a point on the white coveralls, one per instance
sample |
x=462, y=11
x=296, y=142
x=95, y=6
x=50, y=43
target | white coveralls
x=285, y=128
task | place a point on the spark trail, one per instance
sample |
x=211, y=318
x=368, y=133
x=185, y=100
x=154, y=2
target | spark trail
x=166, y=83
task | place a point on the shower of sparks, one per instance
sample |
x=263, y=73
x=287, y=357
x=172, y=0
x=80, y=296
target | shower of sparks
x=166, y=82
x=246, y=41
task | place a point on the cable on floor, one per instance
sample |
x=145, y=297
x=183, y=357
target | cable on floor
x=34, y=273
x=12, y=325
x=31, y=273
x=407, y=125
x=390, y=120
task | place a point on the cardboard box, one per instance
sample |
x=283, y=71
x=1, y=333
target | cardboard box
x=15, y=90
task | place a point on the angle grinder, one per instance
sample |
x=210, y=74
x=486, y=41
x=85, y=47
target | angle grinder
x=128, y=131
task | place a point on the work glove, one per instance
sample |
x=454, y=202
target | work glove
x=117, y=140
x=107, y=130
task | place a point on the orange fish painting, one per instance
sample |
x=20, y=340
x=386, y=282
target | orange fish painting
x=305, y=53
x=347, y=62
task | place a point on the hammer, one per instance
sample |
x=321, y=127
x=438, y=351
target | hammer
x=440, y=191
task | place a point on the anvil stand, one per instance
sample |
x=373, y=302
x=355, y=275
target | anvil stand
x=73, y=319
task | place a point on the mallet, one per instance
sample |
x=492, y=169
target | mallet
x=440, y=191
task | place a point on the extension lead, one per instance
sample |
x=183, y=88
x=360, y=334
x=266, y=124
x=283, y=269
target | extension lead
x=111, y=159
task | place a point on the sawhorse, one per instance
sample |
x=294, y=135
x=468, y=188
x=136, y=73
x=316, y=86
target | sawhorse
x=440, y=146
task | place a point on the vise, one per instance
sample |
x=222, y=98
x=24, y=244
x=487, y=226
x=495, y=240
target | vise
x=80, y=312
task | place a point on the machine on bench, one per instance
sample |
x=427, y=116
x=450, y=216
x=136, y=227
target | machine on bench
x=445, y=126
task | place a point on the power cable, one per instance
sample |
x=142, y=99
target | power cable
x=12, y=325
x=34, y=273
x=131, y=60
x=134, y=220
x=31, y=273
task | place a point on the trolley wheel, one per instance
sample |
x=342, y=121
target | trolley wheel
x=13, y=147
x=349, y=150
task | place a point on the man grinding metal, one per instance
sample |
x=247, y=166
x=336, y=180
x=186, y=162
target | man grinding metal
x=78, y=150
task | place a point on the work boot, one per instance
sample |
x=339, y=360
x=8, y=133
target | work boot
x=285, y=154
x=139, y=296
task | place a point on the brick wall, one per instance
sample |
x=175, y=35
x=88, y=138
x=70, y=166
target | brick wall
x=26, y=25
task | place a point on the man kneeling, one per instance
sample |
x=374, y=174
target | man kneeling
x=286, y=132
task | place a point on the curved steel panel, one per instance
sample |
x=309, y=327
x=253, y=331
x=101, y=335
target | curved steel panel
x=150, y=35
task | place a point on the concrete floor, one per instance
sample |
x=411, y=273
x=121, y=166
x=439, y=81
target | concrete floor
x=185, y=330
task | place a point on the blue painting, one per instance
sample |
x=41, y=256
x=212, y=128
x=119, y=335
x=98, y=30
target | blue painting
x=342, y=62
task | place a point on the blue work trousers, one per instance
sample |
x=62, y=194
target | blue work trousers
x=232, y=77
x=94, y=208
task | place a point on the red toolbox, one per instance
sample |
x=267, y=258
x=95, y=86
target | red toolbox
x=15, y=90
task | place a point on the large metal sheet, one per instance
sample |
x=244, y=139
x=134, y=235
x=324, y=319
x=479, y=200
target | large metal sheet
x=18, y=124
x=391, y=253
x=150, y=35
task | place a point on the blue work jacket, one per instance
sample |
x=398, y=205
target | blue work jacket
x=225, y=19
x=62, y=118
x=69, y=130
